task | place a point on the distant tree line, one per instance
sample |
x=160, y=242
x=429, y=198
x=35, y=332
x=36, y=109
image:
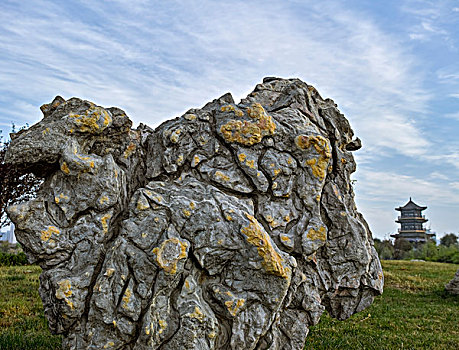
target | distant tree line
x=12, y=255
x=447, y=251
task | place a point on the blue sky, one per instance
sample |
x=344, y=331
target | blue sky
x=391, y=66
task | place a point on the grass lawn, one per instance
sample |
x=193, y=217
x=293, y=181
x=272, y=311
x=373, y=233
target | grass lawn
x=22, y=323
x=413, y=313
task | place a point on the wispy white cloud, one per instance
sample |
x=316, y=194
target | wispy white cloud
x=396, y=131
x=393, y=187
x=418, y=36
x=448, y=74
x=430, y=27
x=433, y=20
x=448, y=158
x=435, y=175
x=452, y=115
x=179, y=55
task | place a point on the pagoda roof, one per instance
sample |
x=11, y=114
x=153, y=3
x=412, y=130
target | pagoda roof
x=410, y=205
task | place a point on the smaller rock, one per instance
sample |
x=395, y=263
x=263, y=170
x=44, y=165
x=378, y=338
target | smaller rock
x=453, y=285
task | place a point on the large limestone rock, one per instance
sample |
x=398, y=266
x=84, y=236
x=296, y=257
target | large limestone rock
x=231, y=227
x=453, y=285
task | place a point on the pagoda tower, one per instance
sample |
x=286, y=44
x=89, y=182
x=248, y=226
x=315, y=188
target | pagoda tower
x=411, y=221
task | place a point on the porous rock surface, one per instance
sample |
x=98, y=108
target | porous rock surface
x=231, y=227
x=453, y=285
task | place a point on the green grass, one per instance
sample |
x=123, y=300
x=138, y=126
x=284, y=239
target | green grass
x=22, y=323
x=413, y=313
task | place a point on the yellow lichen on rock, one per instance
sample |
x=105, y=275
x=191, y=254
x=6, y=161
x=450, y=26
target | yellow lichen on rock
x=320, y=234
x=246, y=133
x=175, y=136
x=94, y=120
x=190, y=117
x=250, y=163
x=65, y=168
x=57, y=199
x=264, y=121
x=233, y=306
x=162, y=326
x=105, y=220
x=142, y=203
x=46, y=234
x=320, y=144
x=197, y=314
x=126, y=297
x=109, y=272
x=196, y=160
x=158, y=198
x=109, y=344
x=64, y=292
x=236, y=110
x=256, y=111
x=221, y=176
x=256, y=235
x=169, y=253
x=129, y=150
x=249, y=133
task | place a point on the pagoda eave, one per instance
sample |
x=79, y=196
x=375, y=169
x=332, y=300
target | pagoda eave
x=418, y=220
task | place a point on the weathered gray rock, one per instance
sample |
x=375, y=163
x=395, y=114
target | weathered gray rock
x=453, y=285
x=231, y=227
